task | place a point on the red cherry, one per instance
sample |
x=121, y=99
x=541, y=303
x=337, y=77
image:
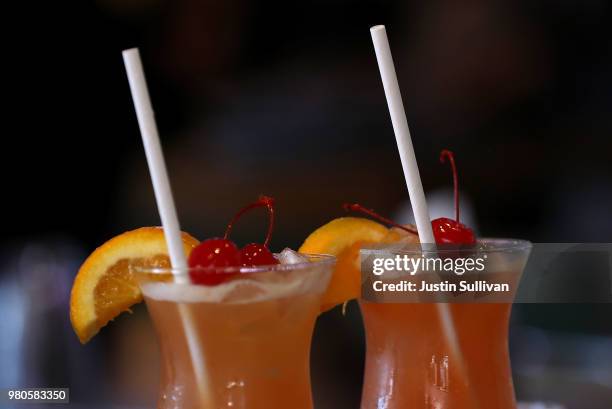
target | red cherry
x=448, y=231
x=215, y=254
x=212, y=253
x=256, y=254
x=445, y=230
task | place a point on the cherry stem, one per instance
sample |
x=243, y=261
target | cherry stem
x=263, y=201
x=445, y=153
x=356, y=207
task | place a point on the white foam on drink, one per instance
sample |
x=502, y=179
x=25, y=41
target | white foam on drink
x=248, y=287
x=240, y=291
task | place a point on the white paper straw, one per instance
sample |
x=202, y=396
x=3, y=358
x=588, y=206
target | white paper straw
x=402, y=134
x=155, y=160
x=166, y=209
x=409, y=165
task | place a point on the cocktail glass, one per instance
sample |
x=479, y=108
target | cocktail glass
x=254, y=332
x=417, y=358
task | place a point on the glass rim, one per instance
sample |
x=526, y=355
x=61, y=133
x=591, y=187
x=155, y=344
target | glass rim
x=486, y=245
x=314, y=260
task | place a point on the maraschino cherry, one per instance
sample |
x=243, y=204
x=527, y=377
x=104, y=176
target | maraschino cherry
x=214, y=252
x=208, y=259
x=255, y=254
x=445, y=230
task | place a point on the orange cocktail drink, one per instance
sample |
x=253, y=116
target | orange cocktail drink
x=254, y=331
x=452, y=355
x=409, y=363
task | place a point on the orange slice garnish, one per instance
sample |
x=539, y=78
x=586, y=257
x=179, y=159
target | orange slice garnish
x=105, y=287
x=343, y=238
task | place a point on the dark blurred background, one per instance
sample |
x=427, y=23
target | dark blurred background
x=285, y=98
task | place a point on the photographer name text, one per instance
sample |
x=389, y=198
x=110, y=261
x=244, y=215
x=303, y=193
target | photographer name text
x=445, y=286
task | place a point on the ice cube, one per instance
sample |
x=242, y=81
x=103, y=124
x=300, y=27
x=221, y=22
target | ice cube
x=288, y=256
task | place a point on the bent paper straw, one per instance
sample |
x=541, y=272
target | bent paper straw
x=409, y=165
x=165, y=207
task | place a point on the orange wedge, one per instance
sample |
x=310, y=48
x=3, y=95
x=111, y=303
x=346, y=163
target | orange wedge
x=343, y=238
x=104, y=286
